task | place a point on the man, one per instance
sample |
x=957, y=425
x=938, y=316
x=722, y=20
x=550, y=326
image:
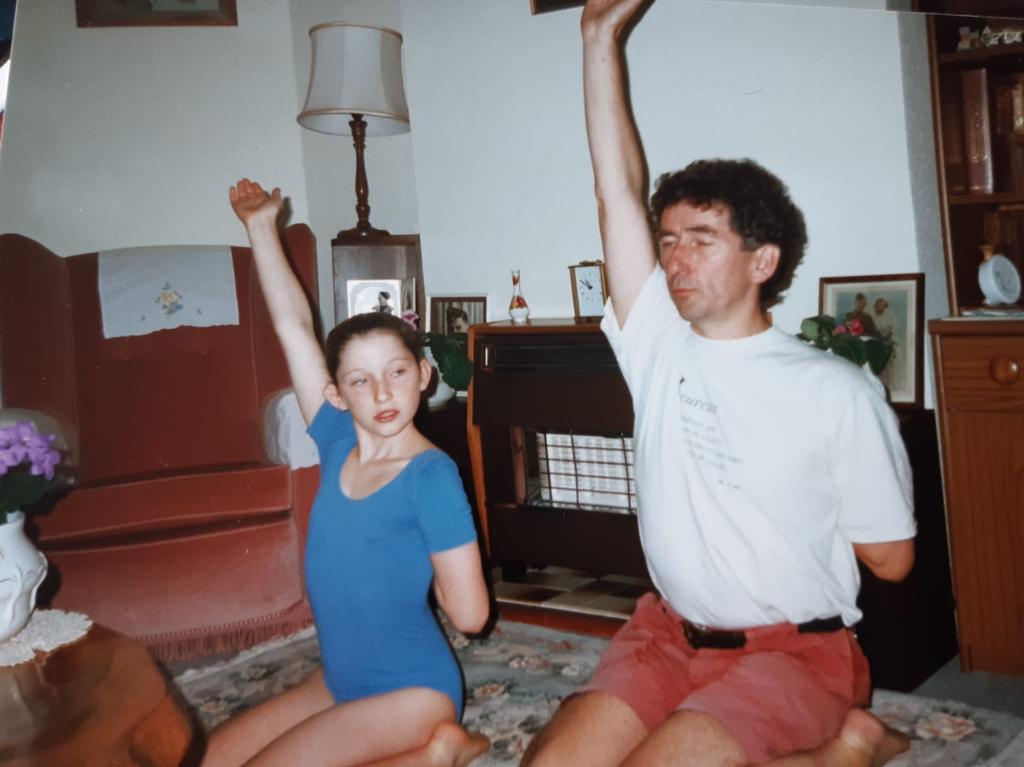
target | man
x=751, y=511
x=860, y=314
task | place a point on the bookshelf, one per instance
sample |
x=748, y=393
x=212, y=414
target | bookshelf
x=978, y=102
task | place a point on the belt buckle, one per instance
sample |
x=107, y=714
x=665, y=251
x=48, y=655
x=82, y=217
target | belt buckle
x=700, y=637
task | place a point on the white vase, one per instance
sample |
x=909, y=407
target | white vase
x=22, y=570
x=438, y=393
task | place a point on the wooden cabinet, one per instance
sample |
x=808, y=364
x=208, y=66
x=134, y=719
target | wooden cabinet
x=978, y=101
x=981, y=408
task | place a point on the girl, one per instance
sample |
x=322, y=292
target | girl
x=390, y=516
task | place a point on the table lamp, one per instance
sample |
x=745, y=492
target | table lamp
x=355, y=86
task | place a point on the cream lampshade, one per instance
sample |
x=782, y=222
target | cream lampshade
x=355, y=88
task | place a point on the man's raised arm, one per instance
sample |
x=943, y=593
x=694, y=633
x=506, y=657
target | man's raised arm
x=615, y=152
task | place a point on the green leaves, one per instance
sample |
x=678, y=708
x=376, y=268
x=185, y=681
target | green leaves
x=19, y=490
x=450, y=353
x=878, y=353
x=827, y=333
x=818, y=330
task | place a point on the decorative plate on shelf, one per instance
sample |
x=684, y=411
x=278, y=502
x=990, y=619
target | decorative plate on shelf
x=999, y=280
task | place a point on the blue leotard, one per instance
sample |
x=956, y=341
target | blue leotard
x=368, y=570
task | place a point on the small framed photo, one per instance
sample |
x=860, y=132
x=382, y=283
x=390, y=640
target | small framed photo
x=384, y=296
x=156, y=13
x=454, y=314
x=890, y=307
x=543, y=6
x=589, y=289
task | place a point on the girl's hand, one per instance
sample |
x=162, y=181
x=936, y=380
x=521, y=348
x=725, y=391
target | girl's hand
x=251, y=203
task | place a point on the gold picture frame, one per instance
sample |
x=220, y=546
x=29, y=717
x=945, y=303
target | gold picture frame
x=455, y=314
x=890, y=306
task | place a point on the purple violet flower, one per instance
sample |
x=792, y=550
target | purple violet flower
x=23, y=448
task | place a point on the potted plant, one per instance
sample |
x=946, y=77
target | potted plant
x=449, y=354
x=847, y=339
x=28, y=465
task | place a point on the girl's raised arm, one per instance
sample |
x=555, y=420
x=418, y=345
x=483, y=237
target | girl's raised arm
x=289, y=308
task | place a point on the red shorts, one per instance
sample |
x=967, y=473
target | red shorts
x=784, y=691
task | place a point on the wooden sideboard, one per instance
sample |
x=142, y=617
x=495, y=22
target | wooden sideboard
x=978, y=365
x=561, y=375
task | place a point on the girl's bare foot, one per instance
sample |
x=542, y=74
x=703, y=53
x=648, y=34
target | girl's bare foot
x=452, y=746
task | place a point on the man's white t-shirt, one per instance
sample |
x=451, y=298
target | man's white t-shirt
x=759, y=462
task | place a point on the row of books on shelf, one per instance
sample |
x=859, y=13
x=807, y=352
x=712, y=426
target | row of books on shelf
x=1003, y=228
x=983, y=132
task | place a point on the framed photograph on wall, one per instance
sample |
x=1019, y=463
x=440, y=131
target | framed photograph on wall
x=385, y=296
x=156, y=13
x=890, y=307
x=454, y=314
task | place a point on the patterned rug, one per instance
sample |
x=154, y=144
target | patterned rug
x=516, y=677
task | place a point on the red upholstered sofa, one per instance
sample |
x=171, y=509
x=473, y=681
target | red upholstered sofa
x=179, y=531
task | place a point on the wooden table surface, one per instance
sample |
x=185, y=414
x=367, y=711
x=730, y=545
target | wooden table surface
x=99, y=701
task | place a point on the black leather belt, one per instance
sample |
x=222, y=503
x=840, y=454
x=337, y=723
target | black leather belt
x=725, y=639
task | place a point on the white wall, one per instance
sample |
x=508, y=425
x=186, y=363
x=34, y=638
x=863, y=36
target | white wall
x=924, y=183
x=116, y=137
x=817, y=95
x=501, y=164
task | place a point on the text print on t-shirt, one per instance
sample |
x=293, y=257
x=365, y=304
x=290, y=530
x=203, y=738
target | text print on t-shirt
x=699, y=422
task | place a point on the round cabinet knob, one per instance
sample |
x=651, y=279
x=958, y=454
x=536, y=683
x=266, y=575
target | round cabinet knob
x=1004, y=370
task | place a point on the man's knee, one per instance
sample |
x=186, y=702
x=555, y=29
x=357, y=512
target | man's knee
x=592, y=728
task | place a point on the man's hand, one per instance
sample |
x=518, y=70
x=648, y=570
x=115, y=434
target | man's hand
x=609, y=17
x=251, y=203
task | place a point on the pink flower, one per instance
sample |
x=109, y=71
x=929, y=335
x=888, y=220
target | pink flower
x=839, y=330
x=411, y=319
x=856, y=327
x=944, y=726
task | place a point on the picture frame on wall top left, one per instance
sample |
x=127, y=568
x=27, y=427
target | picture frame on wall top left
x=156, y=13
x=546, y=6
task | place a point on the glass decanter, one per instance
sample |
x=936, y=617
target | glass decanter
x=518, y=309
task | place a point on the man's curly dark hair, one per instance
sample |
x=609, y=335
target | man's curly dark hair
x=761, y=211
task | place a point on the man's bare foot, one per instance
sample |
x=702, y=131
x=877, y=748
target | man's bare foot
x=858, y=741
x=894, y=743
x=866, y=734
x=452, y=746
x=862, y=732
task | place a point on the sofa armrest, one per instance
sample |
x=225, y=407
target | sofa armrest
x=284, y=432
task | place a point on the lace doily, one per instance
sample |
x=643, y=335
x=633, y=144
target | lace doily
x=45, y=631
